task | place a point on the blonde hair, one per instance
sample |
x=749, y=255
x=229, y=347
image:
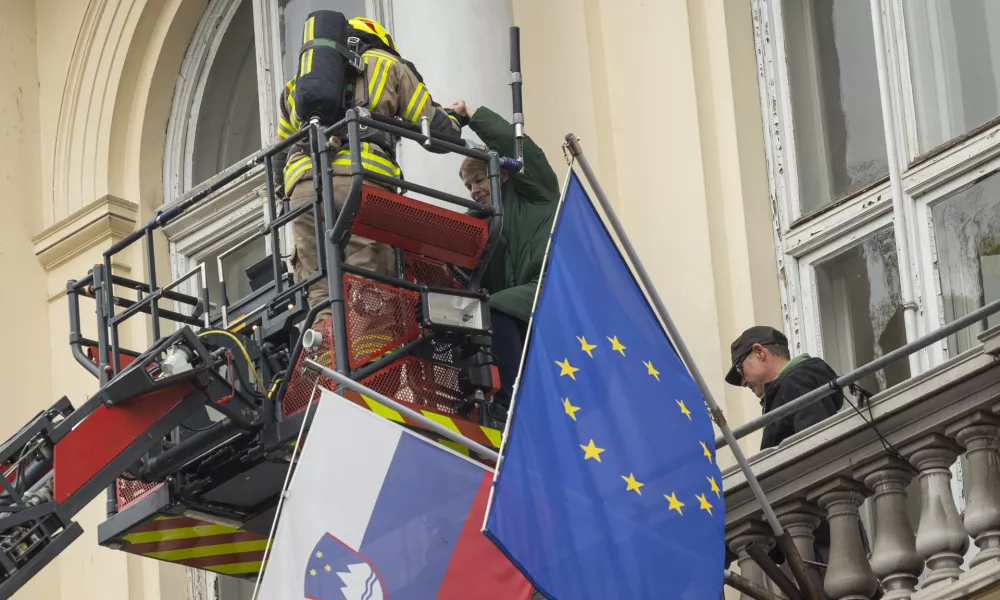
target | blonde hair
x=472, y=166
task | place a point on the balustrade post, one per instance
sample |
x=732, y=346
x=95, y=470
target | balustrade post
x=800, y=519
x=894, y=559
x=941, y=538
x=848, y=574
x=979, y=434
x=741, y=536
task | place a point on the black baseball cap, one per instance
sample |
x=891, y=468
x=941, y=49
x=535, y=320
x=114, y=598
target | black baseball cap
x=759, y=334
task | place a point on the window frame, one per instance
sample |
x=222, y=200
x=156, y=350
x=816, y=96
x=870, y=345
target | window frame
x=804, y=240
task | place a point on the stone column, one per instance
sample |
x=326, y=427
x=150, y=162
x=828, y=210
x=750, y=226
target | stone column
x=740, y=536
x=800, y=519
x=941, y=539
x=894, y=553
x=979, y=434
x=848, y=575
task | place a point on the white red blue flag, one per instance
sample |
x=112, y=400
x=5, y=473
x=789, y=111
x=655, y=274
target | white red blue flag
x=376, y=512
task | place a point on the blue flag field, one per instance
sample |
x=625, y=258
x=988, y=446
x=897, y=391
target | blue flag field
x=608, y=485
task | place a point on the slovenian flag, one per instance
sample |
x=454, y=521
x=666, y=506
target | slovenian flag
x=375, y=511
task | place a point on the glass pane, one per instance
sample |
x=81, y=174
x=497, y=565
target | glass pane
x=954, y=51
x=837, y=115
x=967, y=239
x=229, y=115
x=293, y=13
x=861, y=310
x=235, y=265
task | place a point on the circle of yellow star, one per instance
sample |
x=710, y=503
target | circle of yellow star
x=632, y=484
x=327, y=568
x=715, y=486
x=684, y=409
x=585, y=346
x=704, y=503
x=570, y=409
x=592, y=451
x=675, y=504
x=319, y=555
x=567, y=369
x=706, y=451
x=312, y=572
x=616, y=346
x=651, y=370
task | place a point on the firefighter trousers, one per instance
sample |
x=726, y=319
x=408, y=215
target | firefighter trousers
x=360, y=252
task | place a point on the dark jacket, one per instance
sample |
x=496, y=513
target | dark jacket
x=802, y=374
x=529, y=201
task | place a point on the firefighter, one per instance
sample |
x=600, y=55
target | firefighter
x=390, y=86
x=529, y=204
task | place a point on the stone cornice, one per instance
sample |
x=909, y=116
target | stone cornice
x=106, y=218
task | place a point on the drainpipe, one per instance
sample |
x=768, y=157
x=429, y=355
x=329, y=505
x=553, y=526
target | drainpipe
x=901, y=225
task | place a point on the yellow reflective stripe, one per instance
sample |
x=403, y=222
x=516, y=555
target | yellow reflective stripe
x=454, y=446
x=309, y=30
x=383, y=410
x=381, y=84
x=420, y=107
x=441, y=420
x=413, y=100
x=237, y=568
x=284, y=128
x=383, y=55
x=380, y=66
x=302, y=64
x=182, y=533
x=309, y=61
x=492, y=435
x=297, y=168
x=214, y=550
x=370, y=161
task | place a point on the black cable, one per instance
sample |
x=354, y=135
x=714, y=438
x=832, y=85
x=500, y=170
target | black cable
x=866, y=396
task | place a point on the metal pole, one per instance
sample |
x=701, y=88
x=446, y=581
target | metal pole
x=744, y=585
x=856, y=375
x=901, y=227
x=782, y=538
x=411, y=414
x=515, y=88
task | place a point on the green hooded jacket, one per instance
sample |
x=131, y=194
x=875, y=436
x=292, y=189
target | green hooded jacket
x=529, y=204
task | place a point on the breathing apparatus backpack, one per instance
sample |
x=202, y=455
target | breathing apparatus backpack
x=329, y=62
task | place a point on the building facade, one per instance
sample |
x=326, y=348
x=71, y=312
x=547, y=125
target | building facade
x=741, y=141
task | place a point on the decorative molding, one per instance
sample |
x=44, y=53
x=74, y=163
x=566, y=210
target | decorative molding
x=104, y=219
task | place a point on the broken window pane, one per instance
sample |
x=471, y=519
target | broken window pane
x=954, y=54
x=967, y=240
x=861, y=309
x=837, y=114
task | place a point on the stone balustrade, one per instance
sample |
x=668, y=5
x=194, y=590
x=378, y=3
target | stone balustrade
x=817, y=480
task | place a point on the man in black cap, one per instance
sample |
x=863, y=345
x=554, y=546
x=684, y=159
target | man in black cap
x=761, y=362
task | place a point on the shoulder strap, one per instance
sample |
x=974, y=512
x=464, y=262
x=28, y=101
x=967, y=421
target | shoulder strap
x=352, y=59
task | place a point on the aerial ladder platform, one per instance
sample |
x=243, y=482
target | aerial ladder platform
x=192, y=438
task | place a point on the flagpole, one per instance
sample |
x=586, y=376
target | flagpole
x=783, y=540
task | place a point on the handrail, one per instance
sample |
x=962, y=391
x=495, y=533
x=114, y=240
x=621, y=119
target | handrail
x=854, y=376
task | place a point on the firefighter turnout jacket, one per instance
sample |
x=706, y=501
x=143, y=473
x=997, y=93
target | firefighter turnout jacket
x=388, y=87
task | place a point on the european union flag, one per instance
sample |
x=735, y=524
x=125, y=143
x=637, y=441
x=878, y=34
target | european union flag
x=608, y=486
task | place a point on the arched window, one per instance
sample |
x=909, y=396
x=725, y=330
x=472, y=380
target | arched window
x=224, y=108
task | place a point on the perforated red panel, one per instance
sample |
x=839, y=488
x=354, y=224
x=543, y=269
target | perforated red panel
x=129, y=491
x=420, y=227
x=427, y=271
x=300, y=389
x=379, y=318
x=420, y=382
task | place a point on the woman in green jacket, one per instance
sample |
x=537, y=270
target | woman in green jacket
x=529, y=205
